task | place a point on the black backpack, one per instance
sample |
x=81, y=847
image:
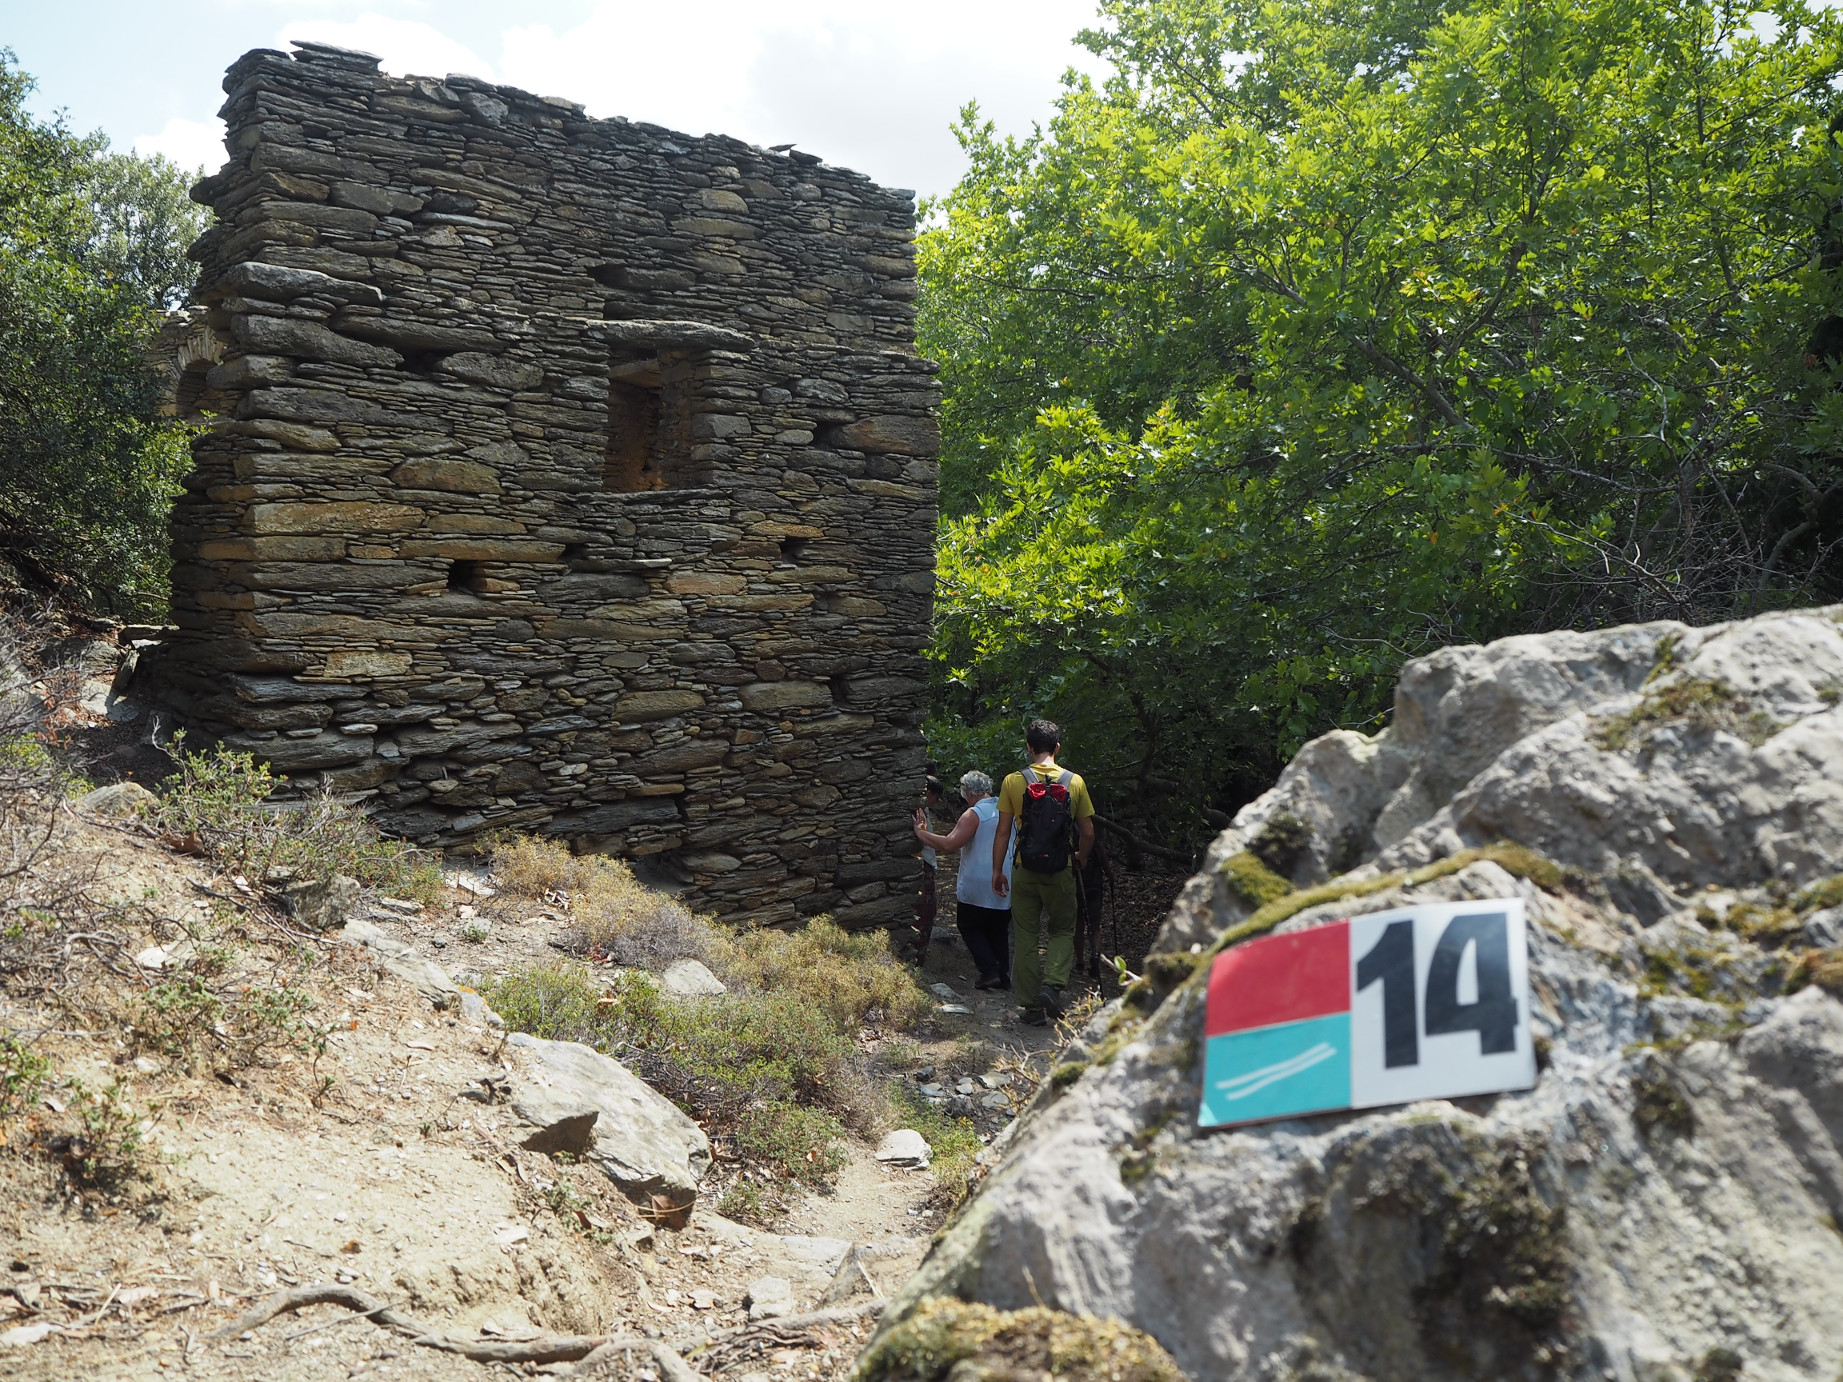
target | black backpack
x=1046, y=829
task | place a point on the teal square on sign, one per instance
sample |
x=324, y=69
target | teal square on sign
x=1280, y=1071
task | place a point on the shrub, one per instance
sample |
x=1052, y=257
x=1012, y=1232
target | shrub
x=220, y=801
x=850, y=977
x=105, y=1150
x=22, y=1074
x=769, y=1066
x=177, y=1015
x=552, y=1001
x=801, y=1143
x=723, y=1057
x=620, y=918
x=747, y=1201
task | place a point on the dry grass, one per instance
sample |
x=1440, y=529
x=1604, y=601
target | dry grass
x=778, y=1065
x=618, y=917
x=1821, y=967
x=853, y=979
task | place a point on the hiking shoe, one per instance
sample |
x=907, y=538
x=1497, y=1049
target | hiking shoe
x=990, y=981
x=1034, y=1017
x=1052, y=1001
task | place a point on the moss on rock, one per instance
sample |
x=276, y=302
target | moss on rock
x=1513, y=858
x=1251, y=881
x=974, y=1343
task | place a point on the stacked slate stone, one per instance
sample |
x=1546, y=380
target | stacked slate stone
x=562, y=475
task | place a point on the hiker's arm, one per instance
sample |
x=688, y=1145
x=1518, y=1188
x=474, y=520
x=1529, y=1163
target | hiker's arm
x=1084, y=831
x=1000, y=843
x=958, y=838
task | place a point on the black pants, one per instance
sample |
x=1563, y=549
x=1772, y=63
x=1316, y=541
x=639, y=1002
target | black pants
x=987, y=933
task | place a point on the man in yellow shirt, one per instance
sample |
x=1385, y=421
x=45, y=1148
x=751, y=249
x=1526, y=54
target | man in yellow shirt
x=1055, y=828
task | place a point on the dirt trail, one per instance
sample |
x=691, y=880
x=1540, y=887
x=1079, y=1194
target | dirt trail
x=403, y=1183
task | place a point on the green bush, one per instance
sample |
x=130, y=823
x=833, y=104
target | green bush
x=556, y=1002
x=105, y=1150
x=801, y=1143
x=221, y=800
x=92, y=251
x=22, y=1074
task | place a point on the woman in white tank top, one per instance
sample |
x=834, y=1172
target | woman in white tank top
x=983, y=916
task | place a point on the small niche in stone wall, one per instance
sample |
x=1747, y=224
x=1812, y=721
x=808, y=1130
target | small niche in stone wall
x=793, y=549
x=649, y=423
x=467, y=577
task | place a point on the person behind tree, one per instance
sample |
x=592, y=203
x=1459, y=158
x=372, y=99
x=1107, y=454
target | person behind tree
x=1054, y=818
x=983, y=915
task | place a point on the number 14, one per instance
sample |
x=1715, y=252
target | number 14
x=1493, y=1014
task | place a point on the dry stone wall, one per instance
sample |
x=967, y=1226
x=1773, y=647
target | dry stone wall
x=565, y=475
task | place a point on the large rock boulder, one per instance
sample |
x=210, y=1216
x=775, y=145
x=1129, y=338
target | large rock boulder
x=641, y=1140
x=1661, y=1207
x=1660, y=757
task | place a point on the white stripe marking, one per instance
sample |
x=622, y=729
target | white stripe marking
x=1256, y=1080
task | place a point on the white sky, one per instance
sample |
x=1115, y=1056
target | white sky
x=872, y=87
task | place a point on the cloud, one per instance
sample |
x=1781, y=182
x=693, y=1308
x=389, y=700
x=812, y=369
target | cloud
x=875, y=88
x=189, y=143
x=406, y=47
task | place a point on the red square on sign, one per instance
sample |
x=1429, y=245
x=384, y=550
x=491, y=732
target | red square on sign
x=1280, y=979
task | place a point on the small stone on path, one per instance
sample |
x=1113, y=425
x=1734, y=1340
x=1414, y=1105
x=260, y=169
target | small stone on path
x=905, y=1147
x=769, y=1298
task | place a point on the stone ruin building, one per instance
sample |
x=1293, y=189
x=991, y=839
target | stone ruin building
x=561, y=475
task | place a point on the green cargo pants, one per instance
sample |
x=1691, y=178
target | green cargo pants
x=1051, y=897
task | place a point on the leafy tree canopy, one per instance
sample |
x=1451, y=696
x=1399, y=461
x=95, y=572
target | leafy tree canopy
x=92, y=252
x=1325, y=334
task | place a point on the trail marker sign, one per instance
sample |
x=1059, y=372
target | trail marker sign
x=1424, y=1002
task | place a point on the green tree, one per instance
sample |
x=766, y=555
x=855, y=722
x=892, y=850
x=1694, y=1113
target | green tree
x=1323, y=335
x=91, y=254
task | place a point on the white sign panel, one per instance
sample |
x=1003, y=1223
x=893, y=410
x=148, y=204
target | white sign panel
x=1427, y=1002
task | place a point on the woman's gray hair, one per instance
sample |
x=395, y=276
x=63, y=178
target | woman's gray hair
x=975, y=781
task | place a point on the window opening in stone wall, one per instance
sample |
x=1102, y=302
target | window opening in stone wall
x=649, y=424
x=794, y=548
x=467, y=577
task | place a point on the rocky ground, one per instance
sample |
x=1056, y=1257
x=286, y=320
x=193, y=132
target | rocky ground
x=405, y=1180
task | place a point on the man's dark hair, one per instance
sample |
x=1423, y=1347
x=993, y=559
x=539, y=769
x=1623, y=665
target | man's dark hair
x=935, y=788
x=1043, y=736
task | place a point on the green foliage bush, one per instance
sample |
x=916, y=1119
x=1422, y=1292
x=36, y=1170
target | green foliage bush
x=23, y=1073
x=954, y=1143
x=1323, y=336
x=776, y=1061
x=91, y=254
x=222, y=800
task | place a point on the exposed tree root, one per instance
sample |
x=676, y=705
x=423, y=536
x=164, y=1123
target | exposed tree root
x=672, y=1368
x=548, y=1348
x=593, y=1350
x=320, y=1293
